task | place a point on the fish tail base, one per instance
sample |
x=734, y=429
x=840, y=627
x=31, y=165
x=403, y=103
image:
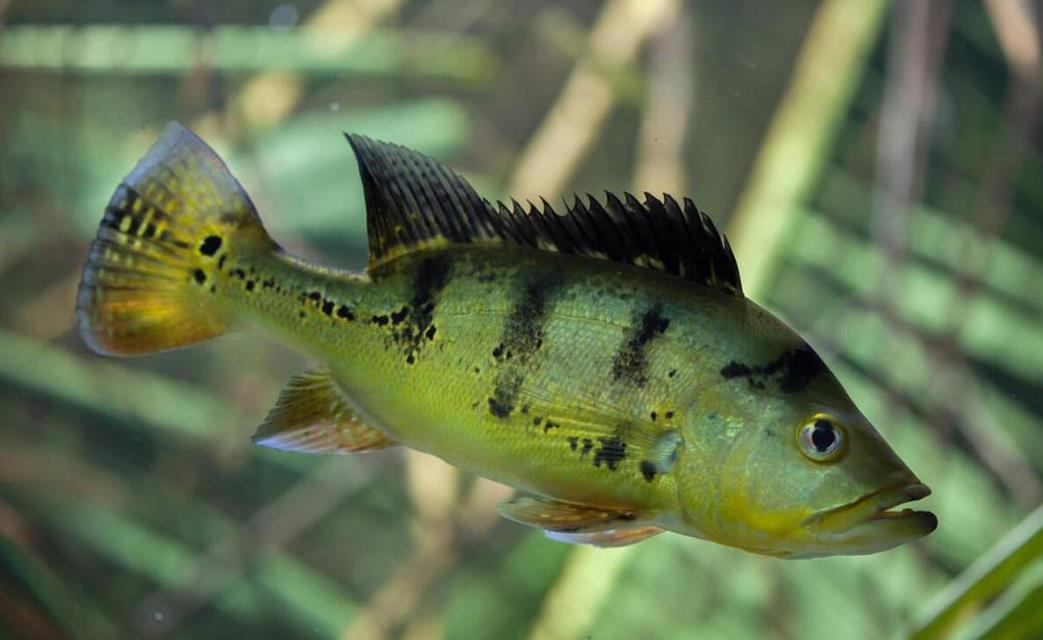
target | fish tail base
x=149, y=281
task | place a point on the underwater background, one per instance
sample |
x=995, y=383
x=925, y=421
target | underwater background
x=877, y=167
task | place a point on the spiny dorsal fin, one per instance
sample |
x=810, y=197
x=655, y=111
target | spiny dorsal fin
x=655, y=234
x=311, y=416
x=414, y=203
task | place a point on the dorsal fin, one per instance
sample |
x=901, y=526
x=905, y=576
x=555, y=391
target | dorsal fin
x=415, y=203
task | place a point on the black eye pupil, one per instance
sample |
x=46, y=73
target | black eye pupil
x=823, y=436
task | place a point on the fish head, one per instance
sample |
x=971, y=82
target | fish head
x=784, y=464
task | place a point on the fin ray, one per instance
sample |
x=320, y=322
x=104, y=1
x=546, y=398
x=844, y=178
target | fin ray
x=415, y=203
x=312, y=416
x=560, y=516
x=607, y=539
x=146, y=284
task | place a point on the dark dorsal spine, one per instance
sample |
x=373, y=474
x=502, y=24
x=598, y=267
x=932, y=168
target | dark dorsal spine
x=414, y=202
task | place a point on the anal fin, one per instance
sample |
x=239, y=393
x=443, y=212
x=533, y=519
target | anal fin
x=312, y=416
x=577, y=523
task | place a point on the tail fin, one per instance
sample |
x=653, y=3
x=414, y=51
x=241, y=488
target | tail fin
x=148, y=282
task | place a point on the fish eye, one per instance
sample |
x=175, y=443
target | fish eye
x=820, y=438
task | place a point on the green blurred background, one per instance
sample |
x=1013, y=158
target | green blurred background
x=878, y=169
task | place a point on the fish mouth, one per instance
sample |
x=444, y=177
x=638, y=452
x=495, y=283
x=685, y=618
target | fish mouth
x=871, y=523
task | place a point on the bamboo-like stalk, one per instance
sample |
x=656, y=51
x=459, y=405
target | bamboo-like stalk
x=795, y=147
x=571, y=126
x=167, y=50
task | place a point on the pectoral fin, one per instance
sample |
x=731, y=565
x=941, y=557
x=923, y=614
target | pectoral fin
x=613, y=538
x=312, y=416
x=563, y=517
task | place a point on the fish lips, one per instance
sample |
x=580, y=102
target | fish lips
x=869, y=524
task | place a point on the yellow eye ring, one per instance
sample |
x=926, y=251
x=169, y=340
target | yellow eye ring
x=821, y=438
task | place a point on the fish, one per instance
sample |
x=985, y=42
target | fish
x=603, y=361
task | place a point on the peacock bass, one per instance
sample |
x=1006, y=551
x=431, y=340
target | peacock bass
x=602, y=361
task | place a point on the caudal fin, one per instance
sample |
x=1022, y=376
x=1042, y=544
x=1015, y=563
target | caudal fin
x=148, y=282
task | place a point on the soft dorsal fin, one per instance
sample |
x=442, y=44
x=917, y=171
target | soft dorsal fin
x=415, y=203
x=312, y=416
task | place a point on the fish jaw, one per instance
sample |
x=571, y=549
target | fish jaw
x=869, y=524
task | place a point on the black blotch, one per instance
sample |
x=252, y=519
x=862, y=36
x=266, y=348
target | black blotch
x=537, y=420
x=380, y=320
x=734, y=370
x=792, y=371
x=210, y=246
x=800, y=368
x=398, y=316
x=221, y=261
x=573, y=442
x=588, y=444
x=654, y=415
x=631, y=363
x=250, y=285
x=550, y=425
x=411, y=323
x=668, y=415
x=522, y=337
x=499, y=408
x=612, y=451
x=315, y=295
x=327, y=307
x=345, y=313
x=648, y=470
x=430, y=333
x=673, y=372
x=239, y=273
x=300, y=314
x=199, y=276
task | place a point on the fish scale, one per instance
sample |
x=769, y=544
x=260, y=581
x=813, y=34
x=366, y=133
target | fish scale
x=603, y=360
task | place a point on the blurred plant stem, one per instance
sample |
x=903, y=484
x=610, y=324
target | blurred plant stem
x=274, y=526
x=100, y=387
x=1015, y=25
x=984, y=580
x=270, y=97
x=825, y=75
x=169, y=49
x=662, y=134
x=571, y=125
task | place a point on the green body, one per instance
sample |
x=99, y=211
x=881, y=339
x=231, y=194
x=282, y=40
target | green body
x=435, y=383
